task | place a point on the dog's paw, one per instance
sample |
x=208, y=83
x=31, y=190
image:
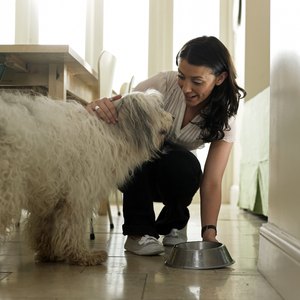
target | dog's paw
x=44, y=258
x=92, y=259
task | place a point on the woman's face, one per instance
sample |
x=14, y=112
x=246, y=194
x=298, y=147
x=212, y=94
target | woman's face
x=196, y=82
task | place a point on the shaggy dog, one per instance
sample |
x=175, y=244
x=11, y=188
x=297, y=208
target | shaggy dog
x=57, y=161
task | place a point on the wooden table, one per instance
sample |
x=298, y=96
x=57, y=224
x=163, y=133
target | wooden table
x=55, y=67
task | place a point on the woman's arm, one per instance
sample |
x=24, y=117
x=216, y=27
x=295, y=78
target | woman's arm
x=211, y=184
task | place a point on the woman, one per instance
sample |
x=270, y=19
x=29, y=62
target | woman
x=203, y=97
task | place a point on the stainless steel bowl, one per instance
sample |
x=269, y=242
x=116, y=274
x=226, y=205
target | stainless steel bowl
x=199, y=255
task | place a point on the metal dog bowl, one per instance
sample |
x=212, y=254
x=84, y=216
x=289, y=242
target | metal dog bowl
x=199, y=255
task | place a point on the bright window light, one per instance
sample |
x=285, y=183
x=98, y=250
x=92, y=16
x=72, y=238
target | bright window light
x=63, y=22
x=194, y=18
x=126, y=36
x=7, y=22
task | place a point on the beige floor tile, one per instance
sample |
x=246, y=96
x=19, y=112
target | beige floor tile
x=73, y=284
x=208, y=285
x=128, y=276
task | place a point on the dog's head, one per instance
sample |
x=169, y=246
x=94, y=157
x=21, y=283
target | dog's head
x=143, y=120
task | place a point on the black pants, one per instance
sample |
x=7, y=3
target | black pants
x=173, y=179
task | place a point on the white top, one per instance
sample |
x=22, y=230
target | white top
x=174, y=102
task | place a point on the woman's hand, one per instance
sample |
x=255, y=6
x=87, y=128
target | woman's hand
x=209, y=236
x=104, y=109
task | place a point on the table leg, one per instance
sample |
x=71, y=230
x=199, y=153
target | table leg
x=57, y=85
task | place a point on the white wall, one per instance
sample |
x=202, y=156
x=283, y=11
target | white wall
x=279, y=253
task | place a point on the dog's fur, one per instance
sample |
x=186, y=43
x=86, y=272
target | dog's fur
x=57, y=161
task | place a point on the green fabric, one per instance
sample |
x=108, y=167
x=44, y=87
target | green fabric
x=254, y=187
x=254, y=168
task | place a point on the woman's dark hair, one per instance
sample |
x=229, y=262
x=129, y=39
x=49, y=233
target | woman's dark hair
x=223, y=102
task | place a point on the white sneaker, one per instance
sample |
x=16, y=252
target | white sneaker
x=146, y=245
x=175, y=237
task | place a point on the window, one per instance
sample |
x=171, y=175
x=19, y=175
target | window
x=193, y=18
x=126, y=36
x=63, y=22
x=7, y=22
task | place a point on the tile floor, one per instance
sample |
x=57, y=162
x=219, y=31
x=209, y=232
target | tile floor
x=127, y=276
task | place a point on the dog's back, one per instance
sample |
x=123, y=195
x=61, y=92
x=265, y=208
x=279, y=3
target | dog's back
x=34, y=151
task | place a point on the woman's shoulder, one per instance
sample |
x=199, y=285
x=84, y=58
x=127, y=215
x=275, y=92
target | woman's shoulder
x=164, y=82
x=170, y=75
x=171, y=81
x=168, y=78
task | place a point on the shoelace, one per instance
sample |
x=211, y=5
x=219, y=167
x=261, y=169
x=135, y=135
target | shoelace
x=146, y=239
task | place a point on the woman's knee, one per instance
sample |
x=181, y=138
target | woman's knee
x=181, y=169
x=183, y=162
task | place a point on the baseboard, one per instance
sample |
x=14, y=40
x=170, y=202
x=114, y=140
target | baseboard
x=279, y=261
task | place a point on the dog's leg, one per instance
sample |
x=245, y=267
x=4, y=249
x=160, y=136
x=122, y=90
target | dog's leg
x=68, y=236
x=39, y=235
x=11, y=191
